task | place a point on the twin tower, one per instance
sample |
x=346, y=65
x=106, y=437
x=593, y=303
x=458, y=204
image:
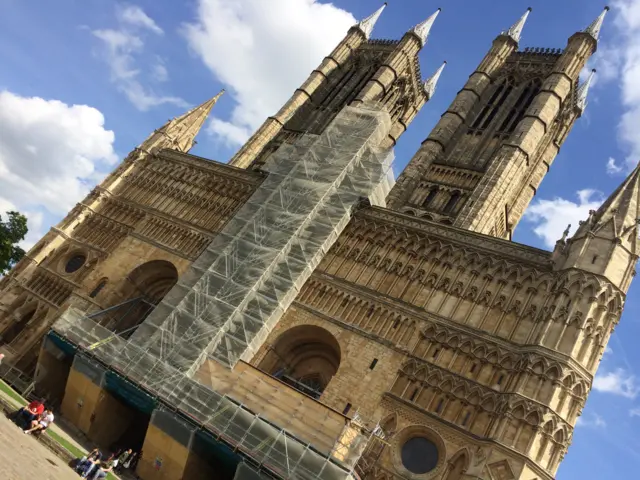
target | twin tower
x=482, y=163
x=472, y=354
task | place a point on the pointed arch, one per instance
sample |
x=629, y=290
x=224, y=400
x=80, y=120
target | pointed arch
x=519, y=412
x=458, y=465
x=533, y=418
x=389, y=424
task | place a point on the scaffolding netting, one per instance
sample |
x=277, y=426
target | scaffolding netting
x=223, y=308
x=235, y=292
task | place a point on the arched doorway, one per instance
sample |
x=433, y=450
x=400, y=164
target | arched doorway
x=143, y=289
x=306, y=357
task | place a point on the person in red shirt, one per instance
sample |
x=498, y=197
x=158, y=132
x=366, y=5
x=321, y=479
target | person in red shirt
x=30, y=413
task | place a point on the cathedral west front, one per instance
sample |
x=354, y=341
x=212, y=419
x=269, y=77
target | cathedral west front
x=298, y=313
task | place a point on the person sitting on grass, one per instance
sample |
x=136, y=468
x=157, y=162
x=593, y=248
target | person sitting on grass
x=86, y=464
x=103, y=468
x=28, y=414
x=42, y=423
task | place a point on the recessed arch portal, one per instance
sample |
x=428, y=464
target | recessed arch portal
x=305, y=357
x=145, y=286
x=152, y=280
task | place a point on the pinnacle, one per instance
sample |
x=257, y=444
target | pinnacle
x=366, y=25
x=621, y=209
x=431, y=83
x=422, y=29
x=583, y=90
x=516, y=29
x=183, y=129
x=596, y=25
x=208, y=105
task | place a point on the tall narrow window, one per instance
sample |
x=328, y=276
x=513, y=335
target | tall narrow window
x=451, y=204
x=516, y=114
x=413, y=395
x=487, y=107
x=432, y=194
x=94, y=293
x=465, y=419
x=493, y=106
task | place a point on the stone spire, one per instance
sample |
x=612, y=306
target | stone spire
x=180, y=133
x=422, y=29
x=516, y=29
x=366, y=25
x=583, y=90
x=431, y=83
x=596, y=25
x=619, y=214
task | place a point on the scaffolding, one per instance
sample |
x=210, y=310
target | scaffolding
x=229, y=300
x=276, y=432
x=236, y=291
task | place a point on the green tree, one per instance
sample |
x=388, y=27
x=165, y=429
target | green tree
x=11, y=232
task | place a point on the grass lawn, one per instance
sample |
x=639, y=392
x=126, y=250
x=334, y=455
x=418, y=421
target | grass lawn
x=12, y=393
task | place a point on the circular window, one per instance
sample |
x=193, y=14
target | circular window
x=74, y=263
x=419, y=455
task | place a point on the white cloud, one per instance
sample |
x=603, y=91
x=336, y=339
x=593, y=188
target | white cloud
x=159, y=71
x=607, y=61
x=50, y=155
x=134, y=15
x=595, y=421
x=232, y=135
x=617, y=382
x=635, y=412
x=123, y=51
x=618, y=59
x=612, y=167
x=262, y=51
x=551, y=217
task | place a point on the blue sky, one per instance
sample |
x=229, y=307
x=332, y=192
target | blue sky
x=84, y=81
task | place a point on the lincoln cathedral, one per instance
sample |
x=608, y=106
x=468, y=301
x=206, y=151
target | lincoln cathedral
x=298, y=313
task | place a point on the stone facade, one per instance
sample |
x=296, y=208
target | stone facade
x=475, y=352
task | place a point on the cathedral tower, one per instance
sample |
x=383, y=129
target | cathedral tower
x=484, y=160
x=358, y=70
